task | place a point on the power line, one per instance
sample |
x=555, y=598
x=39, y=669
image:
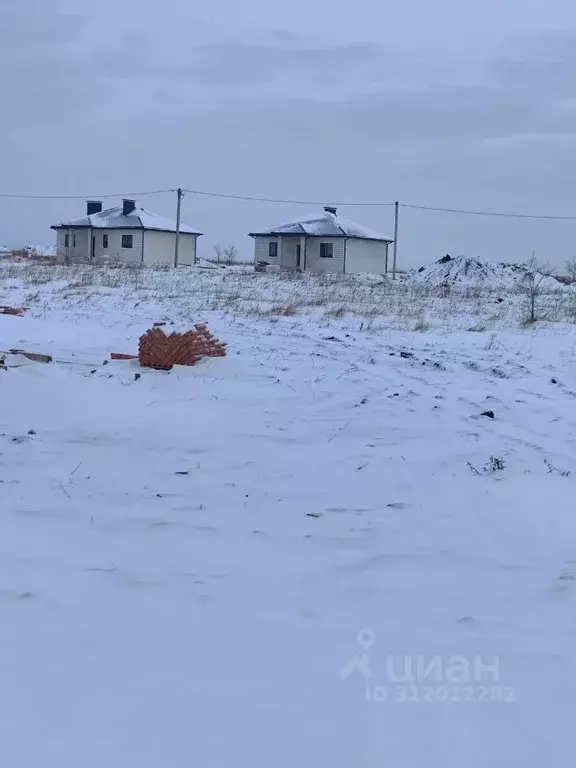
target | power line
x=288, y=202
x=281, y=201
x=489, y=213
x=383, y=205
x=84, y=197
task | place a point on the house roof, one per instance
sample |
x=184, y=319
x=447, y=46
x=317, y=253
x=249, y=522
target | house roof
x=114, y=218
x=325, y=224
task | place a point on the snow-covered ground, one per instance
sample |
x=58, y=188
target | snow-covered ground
x=366, y=302
x=242, y=563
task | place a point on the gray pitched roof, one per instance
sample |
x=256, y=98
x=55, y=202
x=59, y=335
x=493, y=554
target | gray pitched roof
x=114, y=218
x=325, y=224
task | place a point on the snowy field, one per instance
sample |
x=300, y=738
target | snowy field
x=313, y=552
x=466, y=294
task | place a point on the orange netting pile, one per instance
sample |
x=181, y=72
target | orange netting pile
x=157, y=350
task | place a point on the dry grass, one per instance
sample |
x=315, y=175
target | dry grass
x=284, y=310
x=336, y=312
x=421, y=325
x=374, y=301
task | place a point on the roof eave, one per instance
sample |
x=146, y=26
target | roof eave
x=114, y=229
x=290, y=234
x=334, y=237
x=96, y=226
x=72, y=226
x=172, y=231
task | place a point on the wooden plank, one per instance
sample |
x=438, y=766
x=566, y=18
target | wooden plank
x=121, y=356
x=18, y=311
x=37, y=357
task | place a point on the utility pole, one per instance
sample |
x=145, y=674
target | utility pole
x=180, y=195
x=395, y=252
x=386, y=262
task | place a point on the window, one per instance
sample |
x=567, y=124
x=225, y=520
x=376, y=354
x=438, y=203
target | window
x=74, y=240
x=127, y=241
x=105, y=242
x=298, y=254
x=326, y=250
x=66, y=241
x=272, y=250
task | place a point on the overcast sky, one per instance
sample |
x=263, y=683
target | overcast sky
x=450, y=103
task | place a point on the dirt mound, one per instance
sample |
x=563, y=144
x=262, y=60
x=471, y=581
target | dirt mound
x=464, y=271
x=470, y=272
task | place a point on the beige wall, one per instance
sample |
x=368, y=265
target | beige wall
x=83, y=249
x=79, y=247
x=316, y=264
x=289, y=247
x=115, y=250
x=155, y=247
x=366, y=256
x=261, y=249
x=159, y=248
x=309, y=252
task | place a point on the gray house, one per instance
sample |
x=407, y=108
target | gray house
x=126, y=233
x=323, y=242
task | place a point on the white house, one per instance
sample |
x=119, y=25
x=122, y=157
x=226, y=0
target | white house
x=126, y=233
x=323, y=242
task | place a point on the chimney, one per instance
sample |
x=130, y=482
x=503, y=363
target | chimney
x=93, y=206
x=330, y=209
x=127, y=207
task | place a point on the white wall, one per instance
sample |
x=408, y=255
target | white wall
x=289, y=252
x=366, y=256
x=60, y=249
x=261, y=249
x=159, y=248
x=115, y=251
x=361, y=255
x=316, y=264
x=187, y=249
x=77, y=252
x=83, y=249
